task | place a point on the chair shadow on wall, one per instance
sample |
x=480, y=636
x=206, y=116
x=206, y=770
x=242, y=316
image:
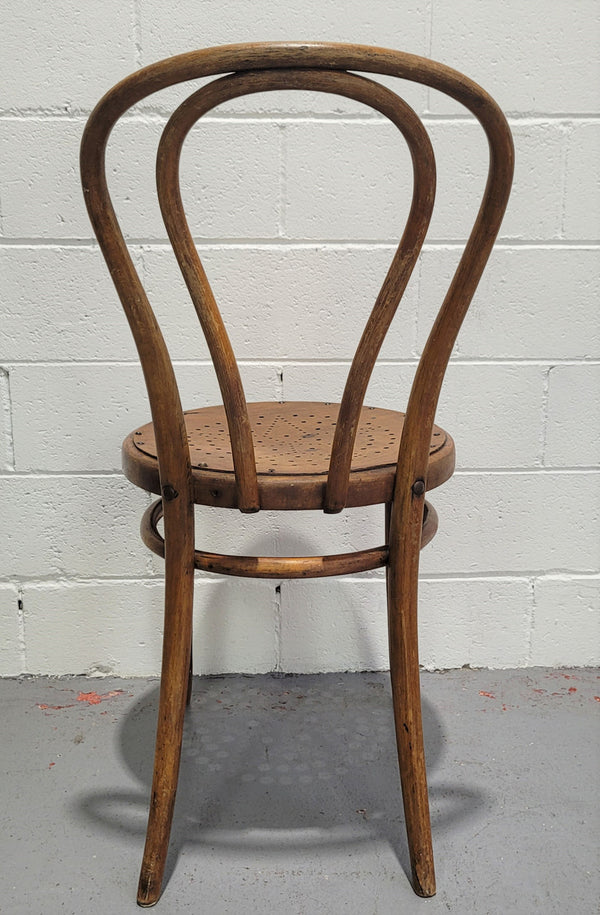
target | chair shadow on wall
x=283, y=764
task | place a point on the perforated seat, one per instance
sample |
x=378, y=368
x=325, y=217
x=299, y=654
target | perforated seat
x=292, y=447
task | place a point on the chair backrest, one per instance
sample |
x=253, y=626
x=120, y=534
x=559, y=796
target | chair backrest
x=322, y=67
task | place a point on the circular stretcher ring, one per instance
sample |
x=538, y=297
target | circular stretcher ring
x=282, y=566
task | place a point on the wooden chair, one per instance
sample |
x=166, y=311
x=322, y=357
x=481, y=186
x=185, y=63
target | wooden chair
x=292, y=455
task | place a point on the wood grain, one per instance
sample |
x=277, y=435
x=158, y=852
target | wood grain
x=247, y=456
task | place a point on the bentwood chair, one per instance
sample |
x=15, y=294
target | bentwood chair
x=252, y=456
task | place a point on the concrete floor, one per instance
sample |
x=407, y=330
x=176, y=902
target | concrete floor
x=289, y=799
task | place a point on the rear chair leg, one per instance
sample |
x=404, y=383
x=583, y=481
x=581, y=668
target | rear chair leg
x=402, y=591
x=174, y=686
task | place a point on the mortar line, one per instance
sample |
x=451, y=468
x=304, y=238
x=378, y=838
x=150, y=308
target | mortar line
x=282, y=181
x=137, y=32
x=7, y=419
x=278, y=629
x=272, y=242
x=280, y=382
x=21, y=627
x=531, y=620
x=567, y=133
x=545, y=408
x=310, y=361
x=586, y=470
x=416, y=313
x=150, y=112
x=523, y=575
x=1, y=217
x=429, y=43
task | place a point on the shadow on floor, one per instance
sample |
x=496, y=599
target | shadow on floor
x=281, y=765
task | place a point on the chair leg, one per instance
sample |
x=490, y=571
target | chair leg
x=402, y=591
x=175, y=679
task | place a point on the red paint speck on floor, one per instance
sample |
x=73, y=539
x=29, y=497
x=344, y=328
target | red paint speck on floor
x=482, y=692
x=572, y=689
x=51, y=764
x=55, y=707
x=94, y=698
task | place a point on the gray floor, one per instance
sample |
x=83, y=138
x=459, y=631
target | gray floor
x=289, y=799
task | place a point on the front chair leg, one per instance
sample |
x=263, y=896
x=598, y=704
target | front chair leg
x=175, y=679
x=402, y=590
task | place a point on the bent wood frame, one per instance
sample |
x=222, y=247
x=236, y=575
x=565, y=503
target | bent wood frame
x=262, y=67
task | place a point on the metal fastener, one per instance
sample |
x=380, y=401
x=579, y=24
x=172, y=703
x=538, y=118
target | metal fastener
x=169, y=492
x=418, y=487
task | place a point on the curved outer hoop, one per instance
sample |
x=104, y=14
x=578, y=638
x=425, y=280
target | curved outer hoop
x=169, y=193
x=164, y=398
x=281, y=566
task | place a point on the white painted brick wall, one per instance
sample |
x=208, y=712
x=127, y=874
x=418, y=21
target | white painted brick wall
x=296, y=200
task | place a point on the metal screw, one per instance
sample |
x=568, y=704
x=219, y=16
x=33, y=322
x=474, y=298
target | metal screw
x=169, y=492
x=418, y=487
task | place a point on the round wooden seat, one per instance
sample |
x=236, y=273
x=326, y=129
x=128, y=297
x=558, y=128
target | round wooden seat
x=292, y=443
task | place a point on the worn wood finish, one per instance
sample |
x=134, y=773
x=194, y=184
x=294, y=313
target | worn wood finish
x=402, y=592
x=247, y=473
x=292, y=444
x=283, y=492
x=282, y=566
x=174, y=690
x=169, y=192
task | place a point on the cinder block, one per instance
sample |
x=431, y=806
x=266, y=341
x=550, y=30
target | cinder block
x=354, y=180
x=312, y=533
x=481, y=622
x=582, y=191
x=534, y=210
x=514, y=523
x=189, y=25
x=333, y=624
x=74, y=417
x=532, y=303
x=566, y=626
x=228, y=531
x=236, y=626
x=461, y=151
x=72, y=526
x=60, y=304
x=319, y=381
x=573, y=416
x=11, y=654
x=279, y=302
x=115, y=627
x=341, y=624
x=65, y=55
x=346, y=181
x=43, y=199
x=229, y=178
x=494, y=412
x=530, y=59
